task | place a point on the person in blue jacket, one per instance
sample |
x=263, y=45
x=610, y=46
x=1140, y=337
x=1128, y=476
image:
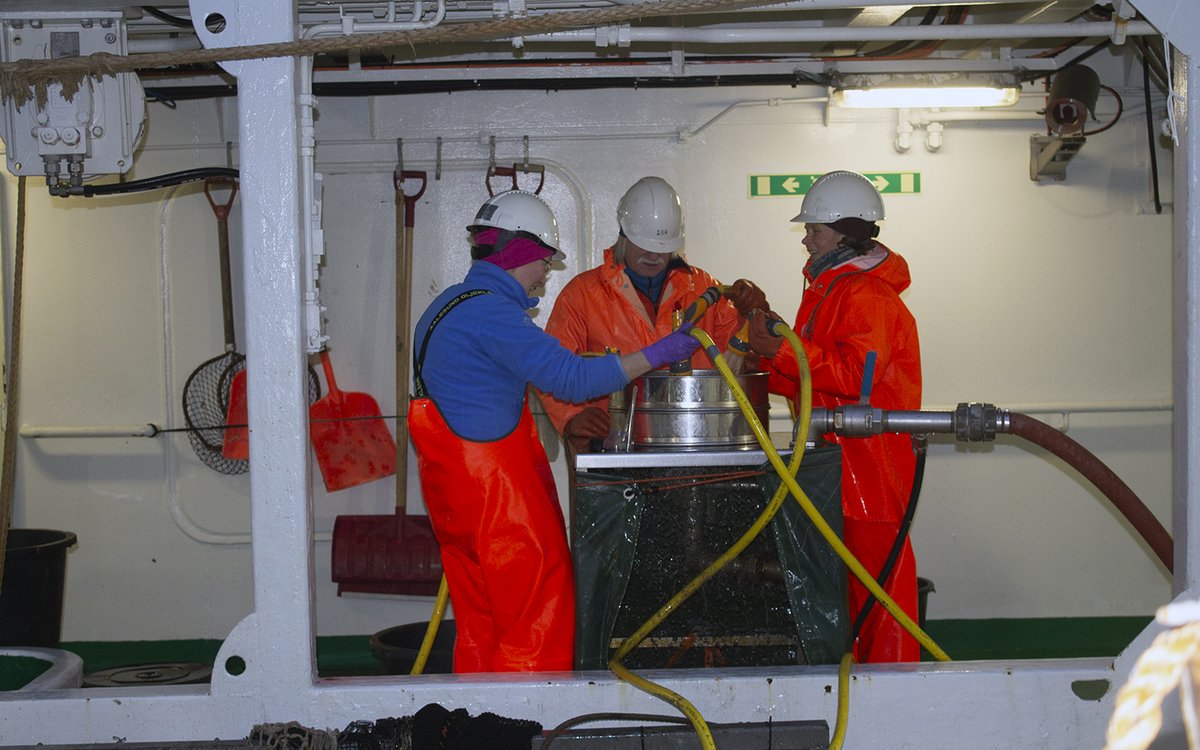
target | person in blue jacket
x=484, y=474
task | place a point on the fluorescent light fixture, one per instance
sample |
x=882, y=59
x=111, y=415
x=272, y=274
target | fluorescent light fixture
x=926, y=92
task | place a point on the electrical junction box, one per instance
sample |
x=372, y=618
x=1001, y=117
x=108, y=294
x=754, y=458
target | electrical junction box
x=93, y=133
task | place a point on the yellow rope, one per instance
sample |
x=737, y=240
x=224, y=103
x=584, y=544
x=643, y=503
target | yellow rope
x=22, y=80
x=1138, y=714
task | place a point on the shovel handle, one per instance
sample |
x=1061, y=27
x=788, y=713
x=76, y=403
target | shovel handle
x=529, y=168
x=399, y=178
x=493, y=170
x=221, y=210
x=330, y=382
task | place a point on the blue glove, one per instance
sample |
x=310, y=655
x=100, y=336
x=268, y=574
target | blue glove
x=671, y=348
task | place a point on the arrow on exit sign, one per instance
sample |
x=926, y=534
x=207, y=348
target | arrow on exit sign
x=762, y=185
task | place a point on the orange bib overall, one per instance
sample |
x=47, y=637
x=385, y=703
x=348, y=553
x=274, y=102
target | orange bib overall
x=495, y=512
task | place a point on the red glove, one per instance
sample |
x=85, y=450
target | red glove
x=747, y=297
x=764, y=343
x=587, y=425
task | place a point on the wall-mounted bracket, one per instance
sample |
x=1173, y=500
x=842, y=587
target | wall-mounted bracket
x=1050, y=154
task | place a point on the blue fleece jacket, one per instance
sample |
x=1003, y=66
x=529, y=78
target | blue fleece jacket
x=486, y=350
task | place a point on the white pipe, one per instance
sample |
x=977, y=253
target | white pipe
x=139, y=46
x=349, y=26
x=687, y=133
x=607, y=36
x=1078, y=407
x=81, y=431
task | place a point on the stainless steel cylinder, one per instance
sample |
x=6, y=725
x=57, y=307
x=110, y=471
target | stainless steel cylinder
x=695, y=412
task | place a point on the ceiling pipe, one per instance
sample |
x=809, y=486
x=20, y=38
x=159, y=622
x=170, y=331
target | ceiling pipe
x=625, y=35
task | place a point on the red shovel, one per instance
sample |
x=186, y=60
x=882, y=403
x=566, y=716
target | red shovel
x=349, y=436
x=235, y=443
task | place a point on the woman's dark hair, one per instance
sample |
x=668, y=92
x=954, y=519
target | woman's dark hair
x=862, y=247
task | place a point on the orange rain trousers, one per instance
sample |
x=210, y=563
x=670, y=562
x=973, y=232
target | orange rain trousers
x=495, y=511
x=846, y=312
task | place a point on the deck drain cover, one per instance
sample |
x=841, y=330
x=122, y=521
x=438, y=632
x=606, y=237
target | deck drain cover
x=169, y=673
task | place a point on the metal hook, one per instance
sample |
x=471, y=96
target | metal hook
x=437, y=172
x=399, y=154
x=525, y=140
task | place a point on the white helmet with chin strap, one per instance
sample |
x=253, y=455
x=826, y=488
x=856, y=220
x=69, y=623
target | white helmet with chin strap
x=520, y=211
x=651, y=216
x=840, y=195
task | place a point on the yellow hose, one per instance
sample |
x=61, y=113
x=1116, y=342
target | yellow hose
x=830, y=536
x=630, y=643
x=788, y=482
x=843, y=709
x=435, y=620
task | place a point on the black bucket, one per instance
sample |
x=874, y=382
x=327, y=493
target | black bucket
x=397, y=648
x=924, y=588
x=31, y=594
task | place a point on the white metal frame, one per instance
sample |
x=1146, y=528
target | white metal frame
x=972, y=704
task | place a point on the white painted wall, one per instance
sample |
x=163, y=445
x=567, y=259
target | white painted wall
x=1025, y=294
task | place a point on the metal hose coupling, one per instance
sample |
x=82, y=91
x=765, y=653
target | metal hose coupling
x=979, y=423
x=969, y=422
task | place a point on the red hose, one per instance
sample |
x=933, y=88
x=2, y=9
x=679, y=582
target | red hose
x=1094, y=470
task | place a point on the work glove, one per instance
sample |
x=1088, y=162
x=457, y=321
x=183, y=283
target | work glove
x=587, y=425
x=747, y=297
x=764, y=343
x=671, y=348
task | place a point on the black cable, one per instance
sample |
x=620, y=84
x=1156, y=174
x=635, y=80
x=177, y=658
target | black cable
x=1150, y=139
x=1080, y=58
x=182, y=23
x=153, y=183
x=901, y=535
x=1152, y=56
x=561, y=729
x=896, y=48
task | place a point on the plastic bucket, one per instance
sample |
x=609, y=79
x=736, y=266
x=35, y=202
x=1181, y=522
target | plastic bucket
x=397, y=648
x=31, y=594
x=924, y=588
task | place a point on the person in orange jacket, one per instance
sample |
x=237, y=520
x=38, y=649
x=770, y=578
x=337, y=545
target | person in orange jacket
x=628, y=301
x=851, y=307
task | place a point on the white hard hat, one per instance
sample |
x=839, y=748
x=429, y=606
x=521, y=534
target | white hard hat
x=651, y=216
x=840, y=195
x=520, y=211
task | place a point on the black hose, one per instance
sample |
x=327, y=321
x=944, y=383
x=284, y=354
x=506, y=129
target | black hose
x=1150, y=133
x=562, y=728
x=1104, y=479
x=154, y=183
x=901, y=535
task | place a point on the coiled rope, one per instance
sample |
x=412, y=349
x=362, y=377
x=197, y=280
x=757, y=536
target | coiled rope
x=1137, y=717
x=22, y=80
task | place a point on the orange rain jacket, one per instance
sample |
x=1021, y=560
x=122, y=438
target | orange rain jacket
x=600, y=308
x=849, y=310
x=852, y=309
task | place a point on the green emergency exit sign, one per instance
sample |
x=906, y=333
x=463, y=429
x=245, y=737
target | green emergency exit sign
x=762, y=185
